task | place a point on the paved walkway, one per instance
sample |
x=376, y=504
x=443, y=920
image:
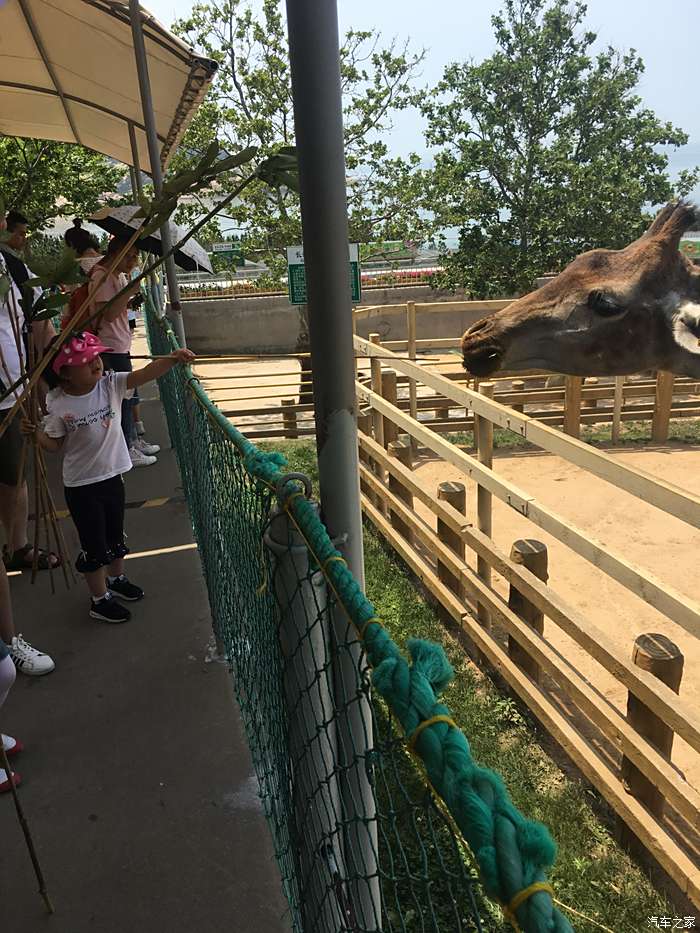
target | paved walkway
x=137, y=780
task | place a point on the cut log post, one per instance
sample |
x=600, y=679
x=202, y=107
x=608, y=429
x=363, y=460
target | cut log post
x=590, y=403
x=483, y=431
x=389, y=393
x=454, y=494
x=662, y=407
x=289, y=418
x=618, y=401
x=517, y=385
x=306, y=387
x=402, y=451
x=442, y=413
x=572, y=405
x=658, y=655
x=364, y=426
x=532, y=555
x=377, y=419
x=412, y=384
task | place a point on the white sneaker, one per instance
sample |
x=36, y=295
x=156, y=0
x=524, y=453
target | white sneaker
x=146, y=448
x=28, y=660
x=139, y=458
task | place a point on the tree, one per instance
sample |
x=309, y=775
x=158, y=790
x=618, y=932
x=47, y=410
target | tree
x=543, y=150
x=251, y=103
x=44, y=179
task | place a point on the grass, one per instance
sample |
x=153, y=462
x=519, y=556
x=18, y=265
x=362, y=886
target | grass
x=592, y=873
x=632, y=434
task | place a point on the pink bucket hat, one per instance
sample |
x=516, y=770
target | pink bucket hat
x=79, y=349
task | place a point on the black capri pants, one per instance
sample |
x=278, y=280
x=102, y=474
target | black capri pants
x=98, y=513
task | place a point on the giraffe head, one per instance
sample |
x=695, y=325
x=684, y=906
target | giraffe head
x=610, y=312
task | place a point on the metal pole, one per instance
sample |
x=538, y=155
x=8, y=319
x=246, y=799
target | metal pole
x=154, y=156
x=137, y=190
x=315, y=70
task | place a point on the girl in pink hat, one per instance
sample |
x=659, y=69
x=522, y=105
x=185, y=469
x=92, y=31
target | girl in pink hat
x=84, y=421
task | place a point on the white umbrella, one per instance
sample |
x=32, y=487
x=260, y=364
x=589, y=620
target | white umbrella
x=121, y=221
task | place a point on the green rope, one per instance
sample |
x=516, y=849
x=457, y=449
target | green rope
x=512, y=852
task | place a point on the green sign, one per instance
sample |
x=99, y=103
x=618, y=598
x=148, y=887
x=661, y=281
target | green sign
x=296, y=274
x=690, y=248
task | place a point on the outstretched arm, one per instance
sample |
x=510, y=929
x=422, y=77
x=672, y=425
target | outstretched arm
x=159, y=368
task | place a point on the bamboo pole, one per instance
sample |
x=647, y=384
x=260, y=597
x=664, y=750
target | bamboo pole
x=26, y=831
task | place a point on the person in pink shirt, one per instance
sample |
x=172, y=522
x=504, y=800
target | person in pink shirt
x=112, y=327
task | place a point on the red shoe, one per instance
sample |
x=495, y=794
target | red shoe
x=5, y=785
x=15, y=748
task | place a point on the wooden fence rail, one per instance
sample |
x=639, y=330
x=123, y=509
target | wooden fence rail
x=514, y=634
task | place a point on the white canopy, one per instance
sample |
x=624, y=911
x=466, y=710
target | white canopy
x=67, y=73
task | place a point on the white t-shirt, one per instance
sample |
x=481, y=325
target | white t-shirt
x=8, y=341
x=94, y=448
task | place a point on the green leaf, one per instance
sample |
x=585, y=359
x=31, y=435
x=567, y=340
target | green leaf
x=233, y=161
x=52, y=302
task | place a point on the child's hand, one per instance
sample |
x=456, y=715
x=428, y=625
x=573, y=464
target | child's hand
x=27, y=427
x=183, y=356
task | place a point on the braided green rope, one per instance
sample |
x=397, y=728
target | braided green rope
x=513, y=853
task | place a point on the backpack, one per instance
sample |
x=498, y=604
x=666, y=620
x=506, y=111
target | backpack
x=75, y=303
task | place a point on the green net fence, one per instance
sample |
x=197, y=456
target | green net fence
x=362, y=840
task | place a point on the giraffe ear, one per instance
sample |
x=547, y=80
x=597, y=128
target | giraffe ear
x=661, y=218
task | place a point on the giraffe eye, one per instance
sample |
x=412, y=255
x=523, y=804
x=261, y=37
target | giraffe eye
x=604, y=304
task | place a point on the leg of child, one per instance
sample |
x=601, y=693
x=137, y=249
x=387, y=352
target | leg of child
x=7, y=678
x=96, y=583
x=114, y=530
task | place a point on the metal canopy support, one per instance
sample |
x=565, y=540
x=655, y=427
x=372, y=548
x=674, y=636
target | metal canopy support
x=316, y=89
x=31, y=25
x=154, y=156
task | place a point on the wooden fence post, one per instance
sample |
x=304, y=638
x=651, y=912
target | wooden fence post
x=517, y=385
x=618, y=401
x=658, y=655
x=402, y=451
x=377, y=419
x=412, y=384
x=591, y=382
x=442, y=414
x=289, y=418
x=364, y=426
x=483, y=431
x=454, y=494
x=306, y=386
x=389, y=393
x=662, y=406
x=532, y=555
x=572, y=405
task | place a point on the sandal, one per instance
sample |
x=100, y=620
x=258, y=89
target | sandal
x=22, y=559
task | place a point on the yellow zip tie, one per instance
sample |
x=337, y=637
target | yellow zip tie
x=424, y=725
x=329, y=560
x=373, y=621
x=522, y=896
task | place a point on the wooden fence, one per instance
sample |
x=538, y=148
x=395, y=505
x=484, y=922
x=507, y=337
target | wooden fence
x=631, y=767
x=279, y=405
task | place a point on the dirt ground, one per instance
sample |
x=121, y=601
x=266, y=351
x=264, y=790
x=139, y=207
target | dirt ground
x=663, y=545
x=660, y=543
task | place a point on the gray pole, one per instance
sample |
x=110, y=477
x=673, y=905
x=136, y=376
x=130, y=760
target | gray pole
x=154, y=156
x=315, y=69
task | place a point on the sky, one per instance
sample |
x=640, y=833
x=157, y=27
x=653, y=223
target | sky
x=662, y=31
